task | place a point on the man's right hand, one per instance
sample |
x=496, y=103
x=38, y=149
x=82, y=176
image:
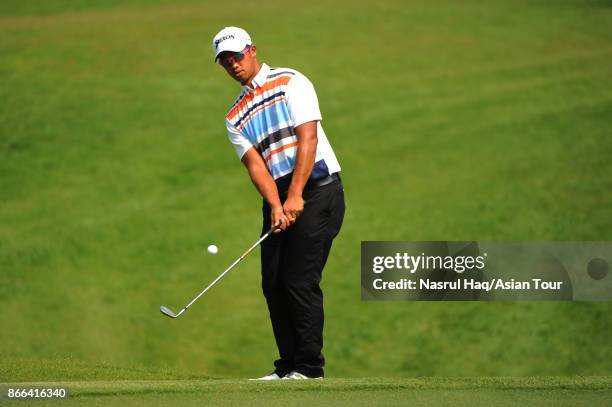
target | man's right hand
x=279, y=219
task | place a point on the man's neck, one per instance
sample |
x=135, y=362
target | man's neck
x=249, y=81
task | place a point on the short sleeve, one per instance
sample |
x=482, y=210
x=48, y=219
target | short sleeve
x=302, y=100
x=239, y=141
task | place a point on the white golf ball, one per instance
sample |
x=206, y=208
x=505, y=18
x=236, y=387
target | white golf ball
x=212, y=249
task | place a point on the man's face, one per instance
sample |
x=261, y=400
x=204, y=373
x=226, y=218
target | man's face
x=242, y=66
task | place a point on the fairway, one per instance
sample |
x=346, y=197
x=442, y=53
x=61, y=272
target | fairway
x=454, y=120
x=542, y=391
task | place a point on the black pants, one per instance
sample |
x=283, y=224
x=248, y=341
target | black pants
x=292, y=262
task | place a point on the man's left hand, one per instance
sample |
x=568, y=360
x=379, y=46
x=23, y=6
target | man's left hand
x=293, y=208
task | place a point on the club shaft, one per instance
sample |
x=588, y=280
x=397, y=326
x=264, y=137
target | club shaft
x=261, y=239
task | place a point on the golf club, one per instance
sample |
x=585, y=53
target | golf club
x=168, y=312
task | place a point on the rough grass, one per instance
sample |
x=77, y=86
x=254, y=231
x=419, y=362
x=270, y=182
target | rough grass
x=453, y=120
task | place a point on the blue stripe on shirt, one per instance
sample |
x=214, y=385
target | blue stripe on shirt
x=265, y=120
x=256, y=105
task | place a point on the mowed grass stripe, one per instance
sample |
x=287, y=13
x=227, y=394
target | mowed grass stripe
x=110, y=388
x=493, y=100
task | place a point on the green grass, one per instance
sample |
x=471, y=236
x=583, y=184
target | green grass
x=482, y=391
x=452, y=121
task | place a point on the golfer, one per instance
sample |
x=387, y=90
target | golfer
x=275, y=127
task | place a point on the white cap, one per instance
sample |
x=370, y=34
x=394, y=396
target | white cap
x=230, y=39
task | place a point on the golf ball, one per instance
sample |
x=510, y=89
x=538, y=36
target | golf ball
x=212, y=249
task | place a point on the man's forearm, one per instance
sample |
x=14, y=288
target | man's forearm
x=263, y=181
x=305, y=157
x=265, y=184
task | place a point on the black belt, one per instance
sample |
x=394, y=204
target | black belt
x=283, y=184
x=323, y=181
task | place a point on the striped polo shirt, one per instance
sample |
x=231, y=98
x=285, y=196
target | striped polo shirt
x=265, y=117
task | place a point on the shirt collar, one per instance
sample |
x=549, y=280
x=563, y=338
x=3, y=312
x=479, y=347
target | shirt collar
x=260, y=79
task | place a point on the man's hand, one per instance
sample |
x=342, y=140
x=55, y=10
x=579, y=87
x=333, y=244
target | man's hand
x=293, y=208
x=279, y=219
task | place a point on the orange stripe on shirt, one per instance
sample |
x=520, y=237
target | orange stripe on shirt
x=281, y=80
x=260, y=108
x=278, y=150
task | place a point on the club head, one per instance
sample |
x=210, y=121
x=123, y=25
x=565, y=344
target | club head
x=166, y=311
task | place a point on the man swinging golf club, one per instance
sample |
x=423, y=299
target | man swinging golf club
x=275, y=127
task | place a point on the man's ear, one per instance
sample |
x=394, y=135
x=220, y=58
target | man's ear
x=253, y=50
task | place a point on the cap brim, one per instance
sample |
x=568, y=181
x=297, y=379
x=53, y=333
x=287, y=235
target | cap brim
x=231, y=46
